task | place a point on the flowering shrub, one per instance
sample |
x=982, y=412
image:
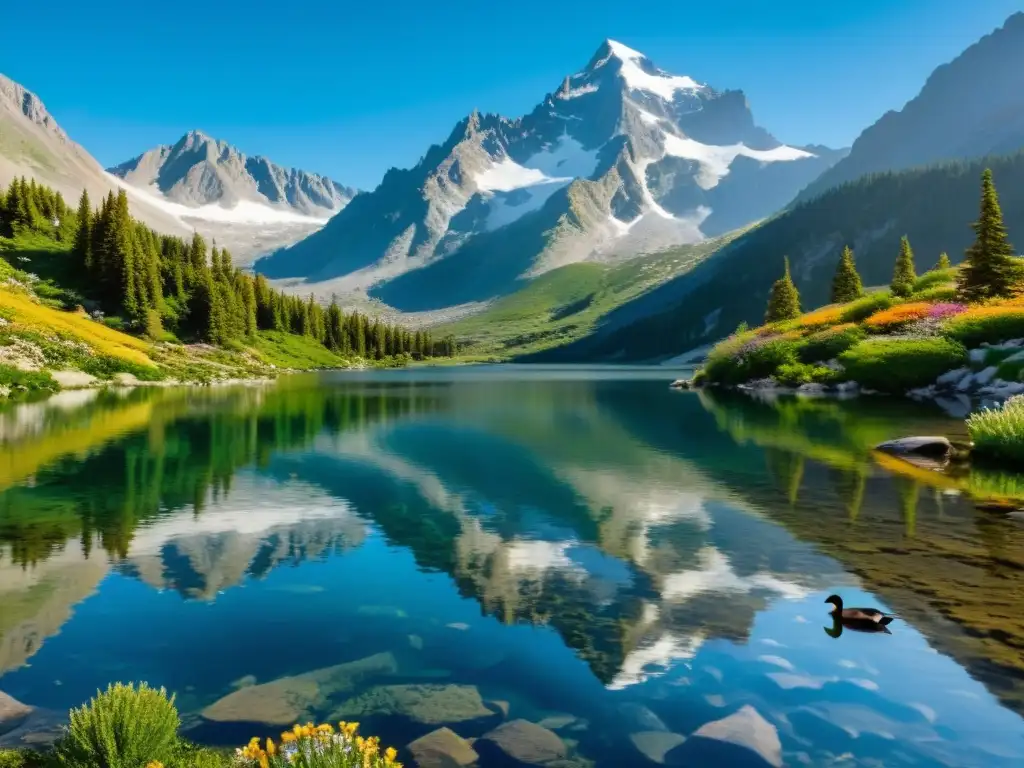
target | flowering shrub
x=320, y=746
x=945, y=310
x=825, y=316
x=857, y=310
x=900, y=315
x=988, y=323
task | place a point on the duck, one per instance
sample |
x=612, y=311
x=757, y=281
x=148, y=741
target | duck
x=859, y=619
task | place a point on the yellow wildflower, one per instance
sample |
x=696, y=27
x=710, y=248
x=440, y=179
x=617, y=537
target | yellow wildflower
x=288, y=736
x=154, y=764
x=264, y=763
x=271, y=748
x=390, y=754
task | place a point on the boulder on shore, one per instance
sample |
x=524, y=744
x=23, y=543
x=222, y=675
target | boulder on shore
x=920, y=446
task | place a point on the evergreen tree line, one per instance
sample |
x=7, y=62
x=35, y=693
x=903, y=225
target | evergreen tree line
x=156, y=281
x=990, y=270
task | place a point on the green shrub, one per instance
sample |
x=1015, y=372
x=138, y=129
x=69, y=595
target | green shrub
x=861, y=309
x=122, y=727
x=18, y=380
x=21, y=758
x=935, y=278
x=1010, y=371
x=898, y=365
x=755, y=360
x=937, y=293
x=795, y=374
x=829, y=343
x=999, y=432
x=991, y=324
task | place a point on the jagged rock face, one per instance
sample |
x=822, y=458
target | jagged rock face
x=200, y=170
x=621, y=158
x=971, y=107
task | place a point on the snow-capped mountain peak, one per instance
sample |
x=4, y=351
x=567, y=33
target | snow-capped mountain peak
x=622, y=158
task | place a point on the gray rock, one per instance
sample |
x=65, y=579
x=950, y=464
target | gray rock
x=654, y=745
x=523, y=741
x=977, y=356
x=966, y=383
x=957, y=406
x=428, y=704
x=923, y=446
x=292, y=699
x=811, y=390
x=682, y=384
x=983, y=377
x=953, y=377
x=443, y=748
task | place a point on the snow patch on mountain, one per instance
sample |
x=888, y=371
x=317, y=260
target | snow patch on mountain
x=243, y=212
x=661, y=84
x=715, y=160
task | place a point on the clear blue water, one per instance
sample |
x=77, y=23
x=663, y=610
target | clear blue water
x=594, y=551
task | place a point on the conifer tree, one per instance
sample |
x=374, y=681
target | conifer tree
x=82, y=248
x=784, y=300
x=943, y=262
x=990, y=269
x=903, y=275
x=846, y=285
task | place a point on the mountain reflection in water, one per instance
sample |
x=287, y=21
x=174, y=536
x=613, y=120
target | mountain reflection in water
x=581, y=548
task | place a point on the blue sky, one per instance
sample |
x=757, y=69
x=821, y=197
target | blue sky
x=350, y=91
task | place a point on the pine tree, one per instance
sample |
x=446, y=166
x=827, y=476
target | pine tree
x=989, y=269
x=784, y=300
x=903, y=275
x=82, y=248
x=943, y=262
x=846, y=285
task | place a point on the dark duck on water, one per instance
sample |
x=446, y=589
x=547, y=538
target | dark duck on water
x=858, y=619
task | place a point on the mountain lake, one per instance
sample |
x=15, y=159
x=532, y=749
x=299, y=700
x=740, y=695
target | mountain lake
x=565, y=566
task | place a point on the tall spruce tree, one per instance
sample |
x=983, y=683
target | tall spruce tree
x=846, y=285
x=903, y=275
x=943, y=262
x=82, y=248
x=990, y=269
x=784, y=300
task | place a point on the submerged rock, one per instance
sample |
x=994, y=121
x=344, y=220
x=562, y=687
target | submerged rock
x=922, y=446
x=744, y=738
x=443, y=748
x=637, y=717
x=289, y=700
x=24, y=726
x=524, y=742
x=655, y=745
x=429, y=704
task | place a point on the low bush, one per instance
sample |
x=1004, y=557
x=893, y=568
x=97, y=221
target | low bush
x=939, y=293
x=122, y=727
x=861, y=309
x=897, y=316
x=795, y=374
x=754, y=359
x=829, y=343
x=935, y=278
x=999, y=432
x=989, y=323
x=898, y=365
